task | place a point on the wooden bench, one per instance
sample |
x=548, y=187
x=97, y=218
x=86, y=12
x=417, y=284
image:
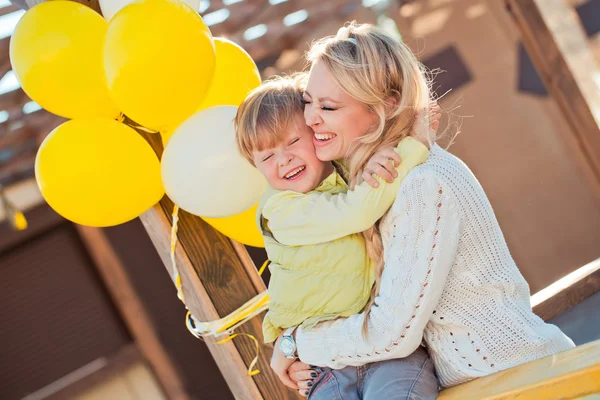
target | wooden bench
x=572, y=374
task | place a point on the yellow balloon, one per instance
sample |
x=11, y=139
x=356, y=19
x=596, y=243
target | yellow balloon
x=241, y=227
x=236, y=74
x=159, y=60
x=56, y=53
x=98, y=172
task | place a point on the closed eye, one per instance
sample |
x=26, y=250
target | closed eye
x=267, y=157
x=294, y=141
x=327, y=108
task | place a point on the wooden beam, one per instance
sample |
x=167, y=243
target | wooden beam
x=556, y=42
x=280, y=37
x=226, y=356
x=115, y=278
x=567, y=292
x=570, y=374
x=8, y=9
x=241, y=14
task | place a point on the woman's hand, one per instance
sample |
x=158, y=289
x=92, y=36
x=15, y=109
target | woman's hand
x=303, y=376
x=382, y=163
x=280, y=364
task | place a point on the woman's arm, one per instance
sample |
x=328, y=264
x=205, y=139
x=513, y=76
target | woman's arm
x=426, y=232
x=297, y=219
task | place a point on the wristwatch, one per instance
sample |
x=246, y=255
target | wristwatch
x=288, y=344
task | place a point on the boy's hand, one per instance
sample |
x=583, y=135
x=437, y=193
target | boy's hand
x=385, y=160
x=383, y=163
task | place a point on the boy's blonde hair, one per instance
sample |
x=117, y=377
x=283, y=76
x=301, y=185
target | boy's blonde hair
x=381, y=72
x=268, y=112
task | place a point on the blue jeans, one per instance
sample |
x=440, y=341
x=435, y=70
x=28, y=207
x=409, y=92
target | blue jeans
x=410, y=378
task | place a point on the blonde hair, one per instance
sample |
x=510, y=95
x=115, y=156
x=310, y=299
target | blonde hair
x=381, y=72
x=267, y=113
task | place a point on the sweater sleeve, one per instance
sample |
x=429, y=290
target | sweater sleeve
x=297, y=219
x=425, y=226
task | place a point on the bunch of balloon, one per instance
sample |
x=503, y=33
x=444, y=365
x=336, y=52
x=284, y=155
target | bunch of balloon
x=201, y=168
x=92, y=170
x=96, y=171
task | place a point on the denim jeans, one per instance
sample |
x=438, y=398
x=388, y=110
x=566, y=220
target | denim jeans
x=410, y=378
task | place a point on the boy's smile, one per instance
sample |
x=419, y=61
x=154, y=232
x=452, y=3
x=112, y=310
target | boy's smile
x=292, y=164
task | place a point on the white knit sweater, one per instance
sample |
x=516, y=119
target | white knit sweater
x=448, y=279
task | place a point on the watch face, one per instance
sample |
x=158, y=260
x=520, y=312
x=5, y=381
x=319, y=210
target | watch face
x=287, y=346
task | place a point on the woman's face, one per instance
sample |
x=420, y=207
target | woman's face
x=336, y=118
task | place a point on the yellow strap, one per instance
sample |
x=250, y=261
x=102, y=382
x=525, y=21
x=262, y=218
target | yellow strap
x=263, y=267
x=255, y=359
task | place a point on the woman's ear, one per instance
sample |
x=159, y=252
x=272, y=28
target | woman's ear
x=391, y=103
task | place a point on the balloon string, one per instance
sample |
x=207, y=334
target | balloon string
x=121, y=119
x=254, y=360
x=174, y=228
x=227, y=324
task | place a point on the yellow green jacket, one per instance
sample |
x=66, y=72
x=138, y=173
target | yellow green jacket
x=326, y=273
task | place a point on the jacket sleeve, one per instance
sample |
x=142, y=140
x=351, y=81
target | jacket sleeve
x=424, y=217
x=297, y=219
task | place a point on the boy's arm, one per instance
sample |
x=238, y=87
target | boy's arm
x=297, y=219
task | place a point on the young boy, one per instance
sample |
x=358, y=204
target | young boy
x=331, y=275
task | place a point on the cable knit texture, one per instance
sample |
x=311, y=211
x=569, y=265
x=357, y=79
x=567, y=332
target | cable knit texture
x=449, y=279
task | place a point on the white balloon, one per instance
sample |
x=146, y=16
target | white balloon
x=202, y=170
x=111, y=7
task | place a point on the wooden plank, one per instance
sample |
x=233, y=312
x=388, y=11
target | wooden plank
x=226, y=356
x=567, y=292
x=113, y=273
x=570, y=374
x=555, y=40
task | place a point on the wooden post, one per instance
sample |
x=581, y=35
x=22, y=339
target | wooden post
x=226, y=355
x=554, y=38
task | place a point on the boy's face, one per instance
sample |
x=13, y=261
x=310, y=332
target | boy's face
x=293, y=164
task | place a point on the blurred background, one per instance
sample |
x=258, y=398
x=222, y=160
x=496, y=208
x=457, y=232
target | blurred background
x=62, y=330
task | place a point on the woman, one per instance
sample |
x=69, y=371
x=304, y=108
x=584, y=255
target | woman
x=449, y=279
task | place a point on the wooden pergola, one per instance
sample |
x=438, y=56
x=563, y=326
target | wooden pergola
x=218, y=274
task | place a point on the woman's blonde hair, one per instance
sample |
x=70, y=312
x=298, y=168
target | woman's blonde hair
x=381, y=72
x=267, y=113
